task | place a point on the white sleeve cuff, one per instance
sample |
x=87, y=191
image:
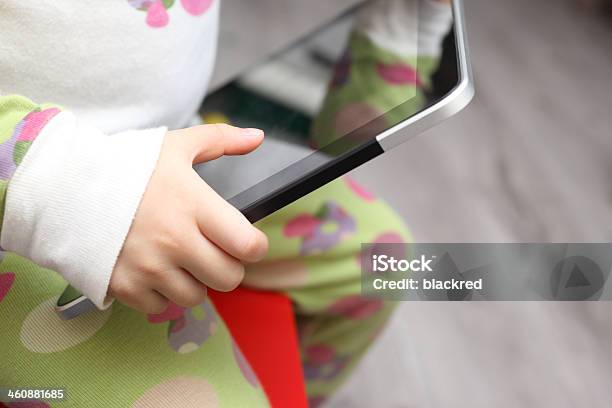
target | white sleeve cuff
x=72, y=200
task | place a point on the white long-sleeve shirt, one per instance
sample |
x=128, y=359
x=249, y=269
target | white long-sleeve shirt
x=121, y=71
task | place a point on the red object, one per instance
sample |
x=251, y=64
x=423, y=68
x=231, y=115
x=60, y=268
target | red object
x=263, y=325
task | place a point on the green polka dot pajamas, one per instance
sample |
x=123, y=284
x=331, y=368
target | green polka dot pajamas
x=111, y=69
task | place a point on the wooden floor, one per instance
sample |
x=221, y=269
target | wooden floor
x=529, y=160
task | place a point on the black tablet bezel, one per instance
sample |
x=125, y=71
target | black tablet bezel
x=326, y=164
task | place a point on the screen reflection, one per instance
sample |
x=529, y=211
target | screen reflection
x=371, y=68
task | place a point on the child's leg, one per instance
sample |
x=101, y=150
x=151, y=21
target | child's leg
x=315, y=243
x=314, y=257
x=119, y=357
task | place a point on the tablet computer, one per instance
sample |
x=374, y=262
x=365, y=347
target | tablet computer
x=371, y=79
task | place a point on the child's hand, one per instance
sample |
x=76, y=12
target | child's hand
x=185, y=237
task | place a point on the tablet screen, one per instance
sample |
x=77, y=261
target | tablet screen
x=331, y=93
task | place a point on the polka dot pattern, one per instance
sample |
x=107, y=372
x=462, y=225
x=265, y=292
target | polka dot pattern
x=326, y=230
x=398, y=74
x=157, y=16
x=44, y=332
x=359, y=191
x=355, y=307
x=157, y=10
x=183, y=392
x=196, y=7
x=244, y=366
x=378, y=247
x=323, y=363
x=6, y=282
x=190, y=331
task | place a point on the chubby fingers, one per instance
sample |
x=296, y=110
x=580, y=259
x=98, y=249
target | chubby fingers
x=211, y=265
x=181, y=287
x=227, y=227
x=209, y=142
x=136, y=296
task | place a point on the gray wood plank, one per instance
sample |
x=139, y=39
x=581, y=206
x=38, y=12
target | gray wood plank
x=529, y=160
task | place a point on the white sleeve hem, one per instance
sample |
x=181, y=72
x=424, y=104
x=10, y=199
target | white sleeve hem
x=71, y=201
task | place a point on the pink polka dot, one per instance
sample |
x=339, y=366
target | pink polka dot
x=302, y=225
x=172, y=312
x=6, y=282
x=157, y=16
x=355, y=307
x=378, y=247
x=359, y=190
x=196, y=7
x=389, y=237
x=398, y=74
x=320, y=353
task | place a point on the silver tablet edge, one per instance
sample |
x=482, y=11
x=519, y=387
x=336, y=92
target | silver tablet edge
x=451, y=104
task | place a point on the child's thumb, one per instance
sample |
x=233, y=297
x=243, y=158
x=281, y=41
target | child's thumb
x=213, y=141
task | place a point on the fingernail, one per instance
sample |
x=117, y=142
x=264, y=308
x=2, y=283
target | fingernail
x=252, y=132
